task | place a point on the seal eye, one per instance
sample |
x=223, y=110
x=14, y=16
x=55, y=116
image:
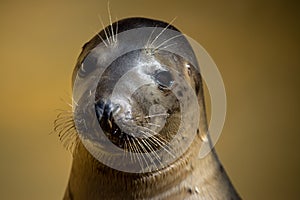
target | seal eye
x=189, y=70
x=164, y=79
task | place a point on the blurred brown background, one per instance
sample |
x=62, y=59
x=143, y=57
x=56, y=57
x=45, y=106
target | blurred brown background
x=254, y=43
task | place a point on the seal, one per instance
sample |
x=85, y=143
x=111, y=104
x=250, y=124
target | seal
x=145, y=101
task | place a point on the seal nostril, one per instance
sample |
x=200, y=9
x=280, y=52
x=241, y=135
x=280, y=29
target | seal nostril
x=105, y=109
x=164, y=79
x=99, y=107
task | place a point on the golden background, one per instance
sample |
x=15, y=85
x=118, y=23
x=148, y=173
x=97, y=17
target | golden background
x=255, y=44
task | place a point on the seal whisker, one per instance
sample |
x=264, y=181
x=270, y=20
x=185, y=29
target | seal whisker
x=154, y=142
x=136, y=153
x=142, y=154
x=58, y=123
x=164, y=47
x=62, y=119
x=171, y=38
x=160, y=141
x=66, y=102
x=153, y=160
x=64, y=131
x=65, y=128
x=73, y=101
x=117, y=28
x=152, y=124
x=152, y=151
x=111, y=27
x=163, y=144
x=157, y=157
x=64, y=111
x=162, y=31
x=133, y=152
x=129, y=149
x=99, y=36
x=104, y=29
x=147, y=144
x=125, y=147
x=150, y=130
x=61, y=131
x=64, y=114
x=156, y=115
x=132, y=157
x=147, y=44
x=138, y=150
x=71, y=141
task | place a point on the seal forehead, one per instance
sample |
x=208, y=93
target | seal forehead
x=122, y=25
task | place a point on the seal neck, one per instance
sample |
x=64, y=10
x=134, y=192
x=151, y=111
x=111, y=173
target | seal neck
x=188, y=177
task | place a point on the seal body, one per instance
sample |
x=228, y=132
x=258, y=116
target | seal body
x=140, y=114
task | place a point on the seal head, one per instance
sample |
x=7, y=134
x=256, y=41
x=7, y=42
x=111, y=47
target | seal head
x=135, y=96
